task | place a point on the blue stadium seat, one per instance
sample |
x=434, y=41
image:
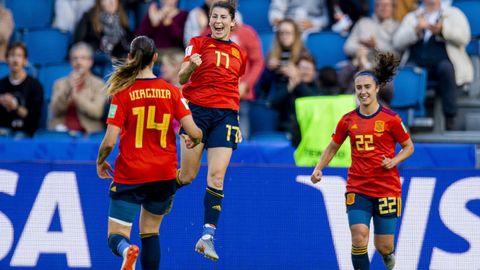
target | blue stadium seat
x=262, y=118
x=29, y=14
x=410, y=85
x=46, y=46
x=267, y=42
x=471, y=9
x=189, y=4
x=3, y=70
x=48, y=74
x=255, y=14
x=326, y=48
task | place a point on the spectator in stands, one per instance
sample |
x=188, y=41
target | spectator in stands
x=197, y=21
x=286, y=51
x=79, y=99
x=434, y=37
x=369, y=35
x=301, y=83
x=170, y=66
x=310, y=15
x=105, y=28
x=345, y=13
x=6, y=30
x=21, y=96
x=165, y=25
x=69, y=12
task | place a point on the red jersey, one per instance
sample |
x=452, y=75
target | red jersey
x=214, y=84
x=371, y=138
x=145, y=113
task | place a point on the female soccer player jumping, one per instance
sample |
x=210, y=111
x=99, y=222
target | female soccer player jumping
x=211, y=71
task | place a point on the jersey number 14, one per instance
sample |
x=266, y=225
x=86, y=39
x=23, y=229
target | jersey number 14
x=162, y=127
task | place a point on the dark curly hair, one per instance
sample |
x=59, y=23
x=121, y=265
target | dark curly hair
x=385, y=68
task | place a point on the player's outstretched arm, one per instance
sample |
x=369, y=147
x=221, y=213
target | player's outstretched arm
x=187, y=68
x=106, y=147
x=325, y=159
x=193, y=131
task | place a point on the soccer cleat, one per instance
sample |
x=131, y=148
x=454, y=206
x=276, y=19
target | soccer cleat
x=205, y=246
x=130, y=257
x=389, y=261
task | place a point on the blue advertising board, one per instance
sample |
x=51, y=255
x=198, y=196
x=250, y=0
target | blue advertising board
x=53, y=215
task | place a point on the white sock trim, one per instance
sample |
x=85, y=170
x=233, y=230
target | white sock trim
x=121, y=222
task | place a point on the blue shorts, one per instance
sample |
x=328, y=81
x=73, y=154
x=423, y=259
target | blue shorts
x=219, y=126
x=126, y=200
x=385, y=211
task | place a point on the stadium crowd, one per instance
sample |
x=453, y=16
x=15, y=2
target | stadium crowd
x=282, y=63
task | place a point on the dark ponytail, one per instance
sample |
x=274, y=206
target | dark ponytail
x=142, y=50
x=386, y=65
x=385, y=68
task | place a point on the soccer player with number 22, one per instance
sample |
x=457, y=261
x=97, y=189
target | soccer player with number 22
x=373, y=182
x=210, y=73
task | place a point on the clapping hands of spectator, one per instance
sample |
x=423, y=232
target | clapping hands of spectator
x=291, y=71
x=9, y=101
x=164, y=15
x=305, y=25
x=422, y=23
x=436, y=29
x=273, y=63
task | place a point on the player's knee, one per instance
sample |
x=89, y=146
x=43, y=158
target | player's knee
x=359, y=238
x=384, y=248
x=186, y=177
x=216, y=181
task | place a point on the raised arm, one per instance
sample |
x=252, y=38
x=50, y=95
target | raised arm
x=189, y=67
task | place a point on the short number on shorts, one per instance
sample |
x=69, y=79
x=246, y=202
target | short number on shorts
x=162, y=127
x=364, y=142
x=229, y=133
x=389, y=205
